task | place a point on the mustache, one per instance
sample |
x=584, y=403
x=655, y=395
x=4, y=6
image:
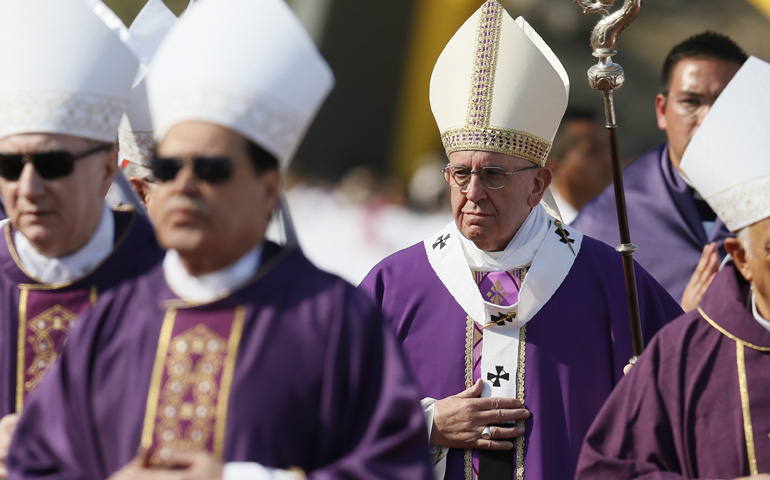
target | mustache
x=184, y=202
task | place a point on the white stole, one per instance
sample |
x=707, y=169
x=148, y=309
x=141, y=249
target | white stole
x=538, y=244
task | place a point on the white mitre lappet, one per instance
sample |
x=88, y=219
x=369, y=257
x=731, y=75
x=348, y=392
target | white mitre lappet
x=498, y=87
x=70, y=73
x=727, y=159
x=135, y=134
x=247, y=65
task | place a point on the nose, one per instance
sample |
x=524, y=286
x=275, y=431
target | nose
x=30, y=184
x=701, y=113
x=475, y=190
x=185, y=180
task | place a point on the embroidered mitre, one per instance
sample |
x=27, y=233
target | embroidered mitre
x=498, y=87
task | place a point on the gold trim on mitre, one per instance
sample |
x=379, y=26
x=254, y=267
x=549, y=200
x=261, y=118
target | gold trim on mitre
x=511, y=118
x=509, y=142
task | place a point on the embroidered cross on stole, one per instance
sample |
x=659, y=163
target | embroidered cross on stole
x=191, y=380
x=500, y=288
x=46, y=315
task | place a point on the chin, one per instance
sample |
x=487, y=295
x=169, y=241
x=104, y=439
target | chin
x=183, y=240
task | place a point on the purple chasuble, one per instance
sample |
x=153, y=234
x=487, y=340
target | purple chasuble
x=571, y=356
x=36, y=318
x=662, y=216
x=696, y=403
x=295, y=369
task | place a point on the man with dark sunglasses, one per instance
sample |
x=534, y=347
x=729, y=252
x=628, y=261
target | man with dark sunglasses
x=235, y=358
x=62, y=248
x=515, y=325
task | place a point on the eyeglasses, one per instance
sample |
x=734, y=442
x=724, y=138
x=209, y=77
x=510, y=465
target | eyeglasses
x=49, y=165
x=491, y=177
x=691, y=104
x=209, y=169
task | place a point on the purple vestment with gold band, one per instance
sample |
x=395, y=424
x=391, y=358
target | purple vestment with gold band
x=36, y=318
x=295, y=369
x=696, y=403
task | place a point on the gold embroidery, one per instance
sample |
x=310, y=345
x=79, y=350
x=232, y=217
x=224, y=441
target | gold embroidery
x=157, y=375
x=189, y=410
x=94, y=296
x=496, y=294
x=485, y=65
x=470, y=339
x=730, y=335
x=748, y=430
x=185, y=377
x=20, y=347
x=520, y=396
x=499, y=140
x=55, y=319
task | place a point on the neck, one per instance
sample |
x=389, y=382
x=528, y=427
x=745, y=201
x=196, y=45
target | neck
x=197, y=265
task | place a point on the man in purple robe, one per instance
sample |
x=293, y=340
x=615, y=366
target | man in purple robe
x=515, y=325
x=62, y=247
x=235, y=358
x=696, y=403
x=677, y=233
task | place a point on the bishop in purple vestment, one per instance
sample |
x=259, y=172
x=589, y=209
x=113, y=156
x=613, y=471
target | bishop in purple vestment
x=292, y=370
x=515, y=325
x=236, y=358
x=696, y=403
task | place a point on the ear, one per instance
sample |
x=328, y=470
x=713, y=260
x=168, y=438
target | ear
x=540, y=181
x=110, y=162
x=140, y=187
x=661, y=104
x=739, y=254
x=272, y=182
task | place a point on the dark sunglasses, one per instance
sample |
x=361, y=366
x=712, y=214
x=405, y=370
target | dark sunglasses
x=208, y=169
x=49, y=165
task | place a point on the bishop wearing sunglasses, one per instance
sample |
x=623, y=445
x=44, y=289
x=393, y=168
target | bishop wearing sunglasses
x=236, y=357
x=62, y=248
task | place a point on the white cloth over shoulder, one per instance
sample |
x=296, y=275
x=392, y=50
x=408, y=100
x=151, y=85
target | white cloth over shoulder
x=73, y=266
x=209, y=287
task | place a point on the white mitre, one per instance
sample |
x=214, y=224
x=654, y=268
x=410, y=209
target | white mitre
x=498, y=87
x=727, y=160
x=66, y=72
x=247, y=65
x=135, y=134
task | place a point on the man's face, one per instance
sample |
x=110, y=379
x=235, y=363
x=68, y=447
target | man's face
x=58, y=215
x=754, y=263
x=693, y=81
x=490, y=218
x=586, y=164
x=211, y=225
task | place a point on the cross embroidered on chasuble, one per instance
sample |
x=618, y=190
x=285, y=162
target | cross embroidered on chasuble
x=46, y=316
x=190, y=385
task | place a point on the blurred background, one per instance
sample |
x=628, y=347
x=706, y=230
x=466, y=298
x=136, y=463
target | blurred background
x=376, y=133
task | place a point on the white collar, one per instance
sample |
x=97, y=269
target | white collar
x=757, y=316
x=518, y=253
x=211, y=286
x=65, y=269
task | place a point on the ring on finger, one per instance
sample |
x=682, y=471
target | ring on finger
x=486, y=434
